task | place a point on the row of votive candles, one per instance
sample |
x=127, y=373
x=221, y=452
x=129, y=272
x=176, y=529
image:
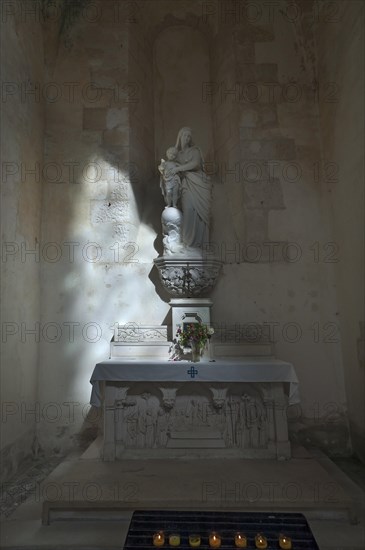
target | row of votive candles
x=215, y=540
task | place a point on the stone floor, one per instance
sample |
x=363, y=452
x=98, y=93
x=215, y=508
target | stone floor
x=91, y=502
x=16, y=491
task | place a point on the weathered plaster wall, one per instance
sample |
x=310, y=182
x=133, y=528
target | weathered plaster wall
x=182, y=63
x=341, y=62
x=278, y=270
x=100, y=141
x=142, y=154
x=22, y=133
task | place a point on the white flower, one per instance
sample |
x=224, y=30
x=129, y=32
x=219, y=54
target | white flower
x=210, y=331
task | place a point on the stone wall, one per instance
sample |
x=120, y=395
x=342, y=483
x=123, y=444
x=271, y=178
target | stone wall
x=341, y=108
x=22, y=134
x=276, y=240
x=142, y=153
x=95, y=210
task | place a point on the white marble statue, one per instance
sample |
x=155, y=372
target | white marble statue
x=170, y=183
x=183, y=269
x=195, y=189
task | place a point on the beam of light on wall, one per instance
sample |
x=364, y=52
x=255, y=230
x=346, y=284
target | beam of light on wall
x=109, y=277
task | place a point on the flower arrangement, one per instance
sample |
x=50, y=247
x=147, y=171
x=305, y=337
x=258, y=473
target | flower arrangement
x=194, y=334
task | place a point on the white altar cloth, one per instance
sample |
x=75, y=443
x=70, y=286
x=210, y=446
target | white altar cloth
x=247, y=369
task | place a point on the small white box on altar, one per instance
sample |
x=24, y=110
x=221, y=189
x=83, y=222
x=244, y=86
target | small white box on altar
x=133, y=333
x=132, y=340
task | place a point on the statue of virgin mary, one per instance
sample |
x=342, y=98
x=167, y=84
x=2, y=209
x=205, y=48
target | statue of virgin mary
x=196, y=191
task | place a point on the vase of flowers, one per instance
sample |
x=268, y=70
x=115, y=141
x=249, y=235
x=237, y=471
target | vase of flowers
x=196, y=351
x=195, y=337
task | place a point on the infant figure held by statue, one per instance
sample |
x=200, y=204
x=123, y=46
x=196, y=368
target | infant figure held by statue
x=170, y=183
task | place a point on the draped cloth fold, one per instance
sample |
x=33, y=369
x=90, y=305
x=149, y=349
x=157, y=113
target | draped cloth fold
x=195, y=201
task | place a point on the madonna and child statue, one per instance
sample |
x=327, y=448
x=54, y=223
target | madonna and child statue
x=187, y=190
x=184, y=184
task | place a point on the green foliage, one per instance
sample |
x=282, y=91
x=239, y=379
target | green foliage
x=193, y=333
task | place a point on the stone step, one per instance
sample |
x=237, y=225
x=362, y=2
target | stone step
x=301, y=484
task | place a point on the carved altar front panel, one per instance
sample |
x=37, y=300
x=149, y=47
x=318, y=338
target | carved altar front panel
x=181, y=419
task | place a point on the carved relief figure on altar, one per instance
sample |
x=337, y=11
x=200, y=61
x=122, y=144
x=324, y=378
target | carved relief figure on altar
x=147, y=418
x=255, y=423
x=217, y=418
x=232, y=420
x=130, y=419
x=196, y=412
x=150, y=424
x=241, y=428
x=245, y=423
x=126, y=422
x=162, y=428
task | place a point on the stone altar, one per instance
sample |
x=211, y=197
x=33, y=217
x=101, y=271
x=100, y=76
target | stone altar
x=229, y=408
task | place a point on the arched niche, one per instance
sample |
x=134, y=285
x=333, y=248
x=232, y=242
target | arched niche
x=181, y=66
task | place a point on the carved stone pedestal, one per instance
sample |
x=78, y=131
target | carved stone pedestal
x=185, y=277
